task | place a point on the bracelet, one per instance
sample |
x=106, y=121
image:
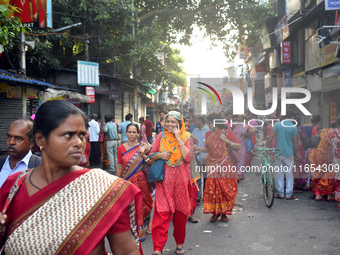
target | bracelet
x=181, y=144
x=231, y=144
x=147, y=159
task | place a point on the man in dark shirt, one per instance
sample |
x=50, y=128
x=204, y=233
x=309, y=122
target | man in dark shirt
x=148, y=128
x=160, y=124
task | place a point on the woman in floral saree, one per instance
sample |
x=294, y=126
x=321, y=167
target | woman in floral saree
x=323, y=181
x=130, y=167
x=221, y=185
x=334, y=139
x=60, y=207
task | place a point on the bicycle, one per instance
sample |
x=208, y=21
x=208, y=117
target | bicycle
x=268, y=180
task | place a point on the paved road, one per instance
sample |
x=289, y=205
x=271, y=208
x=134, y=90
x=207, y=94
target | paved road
x=300, y=226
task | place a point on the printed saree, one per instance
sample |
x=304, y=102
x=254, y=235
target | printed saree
x=69, y=216
x=221, y=186
x=133, y=165
x=323, y=181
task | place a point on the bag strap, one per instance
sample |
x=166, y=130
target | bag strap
x=2, y=162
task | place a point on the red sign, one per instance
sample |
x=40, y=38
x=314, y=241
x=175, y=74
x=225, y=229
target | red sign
x=286, y=56
x=91, y=94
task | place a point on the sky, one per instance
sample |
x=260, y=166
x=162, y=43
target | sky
x=200, y=61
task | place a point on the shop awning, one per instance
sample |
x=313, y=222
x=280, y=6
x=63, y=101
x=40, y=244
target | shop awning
x=16, y=79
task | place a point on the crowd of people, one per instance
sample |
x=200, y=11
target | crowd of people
x=69, y=204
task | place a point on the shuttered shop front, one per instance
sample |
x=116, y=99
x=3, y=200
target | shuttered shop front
x=10, y=110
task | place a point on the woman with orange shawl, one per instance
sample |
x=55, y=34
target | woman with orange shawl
x=323, y=181
x=173, y=194
x=221, y=187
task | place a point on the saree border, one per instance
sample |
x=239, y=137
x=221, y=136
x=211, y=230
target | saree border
x=85, y=227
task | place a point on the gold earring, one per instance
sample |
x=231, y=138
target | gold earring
x=41, y=148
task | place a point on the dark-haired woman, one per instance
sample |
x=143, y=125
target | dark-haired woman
x=221, y=187
x=142, y=135
x=130, y=166
x=60, y=207
x=173, y=194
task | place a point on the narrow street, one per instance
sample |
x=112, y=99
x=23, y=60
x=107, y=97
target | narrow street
x=300, y=226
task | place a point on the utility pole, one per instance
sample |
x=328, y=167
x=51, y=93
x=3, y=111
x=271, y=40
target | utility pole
x=135, y=98
x=23, y=72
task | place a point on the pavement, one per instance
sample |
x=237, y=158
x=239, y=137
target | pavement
x=301, y=226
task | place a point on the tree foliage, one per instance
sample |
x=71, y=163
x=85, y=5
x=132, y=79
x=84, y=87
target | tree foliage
x=10, y=26
x=121, y=32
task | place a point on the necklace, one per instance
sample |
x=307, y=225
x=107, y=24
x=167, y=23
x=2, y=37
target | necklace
x=31, y=180
x=132, y=145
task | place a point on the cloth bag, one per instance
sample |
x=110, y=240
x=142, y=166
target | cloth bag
x=249, y=144
x=156, y=170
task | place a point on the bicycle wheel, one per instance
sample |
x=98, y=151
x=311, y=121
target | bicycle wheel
x=268, y=182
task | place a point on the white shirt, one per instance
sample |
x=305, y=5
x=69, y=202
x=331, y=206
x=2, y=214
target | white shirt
x=21, y=166
x=94, y=131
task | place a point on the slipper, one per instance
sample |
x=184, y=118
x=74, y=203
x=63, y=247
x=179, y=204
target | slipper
x=179, y=251
x=279, y=197
x=291, y=197
x=214, y=218
x=142, y=239
x=192, y=219
x=224, y=218
x=149, y=232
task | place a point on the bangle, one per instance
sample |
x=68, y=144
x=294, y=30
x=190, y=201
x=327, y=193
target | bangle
x=147, y=159
x=181, y=144
x=231, y=144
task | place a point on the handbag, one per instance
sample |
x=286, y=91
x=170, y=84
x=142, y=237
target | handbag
x=249, y=144
x=234, y=155
x=156, y=170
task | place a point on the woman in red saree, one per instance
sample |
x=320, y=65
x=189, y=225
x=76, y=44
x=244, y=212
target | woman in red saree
x=130, y=168
x=221, y=186
x=60, y=207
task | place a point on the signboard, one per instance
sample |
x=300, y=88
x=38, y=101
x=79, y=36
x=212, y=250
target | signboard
x=114, y=95
x=286, y=57
x=330, y=78
x=35, y=14
x=327, y=55
x=299, y=80
x=333, y=109
x=91, y=94
x=312, y=58
x=332, y=4
x=88, y=73
x=281, y=30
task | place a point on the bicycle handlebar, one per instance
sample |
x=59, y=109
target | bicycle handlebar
x=266, y=151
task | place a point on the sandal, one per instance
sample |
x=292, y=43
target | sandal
x=180, y=251
x=224, y=218
x=149, y=232
x=291, y=197
x=192, y=219
x=279, y=197
x=214, y=218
